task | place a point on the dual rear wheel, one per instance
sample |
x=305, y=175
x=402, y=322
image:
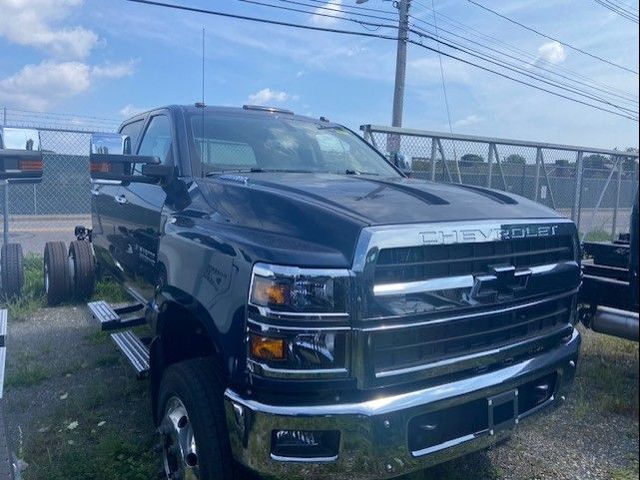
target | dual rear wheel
x=11, y=270
x=68, y=274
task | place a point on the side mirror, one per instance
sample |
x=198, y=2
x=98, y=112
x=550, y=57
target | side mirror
x=403, y=164
x=110, y=160
x=20, y=155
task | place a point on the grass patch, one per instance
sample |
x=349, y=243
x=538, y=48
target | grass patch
x=110, y=291
x=628, y=473
x=27, y=373
x=598, y=235
x=608, y=377
x=32, y=297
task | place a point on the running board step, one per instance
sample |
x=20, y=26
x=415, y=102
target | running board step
x=134, y=350
x=113, y=318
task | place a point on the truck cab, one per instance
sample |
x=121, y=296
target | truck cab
x=313, y=310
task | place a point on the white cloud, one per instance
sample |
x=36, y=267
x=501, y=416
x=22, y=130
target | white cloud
x=468, y=121
x=333, y=8
x=552, y=52
x=266, y=96
x=38, y=87
x=114, y=70
x=31, y=23
x=130, y=110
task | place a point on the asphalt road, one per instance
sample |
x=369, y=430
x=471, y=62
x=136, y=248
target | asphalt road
x=33, y=232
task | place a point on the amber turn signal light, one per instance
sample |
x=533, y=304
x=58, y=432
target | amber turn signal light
x=265, y=292
x=31, y=165
x=100, y=167
x=266, y=348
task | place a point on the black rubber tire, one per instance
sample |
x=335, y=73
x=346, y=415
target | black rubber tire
x=84, y=270
x=56, y=267
x=196, y=383
x=12, y=270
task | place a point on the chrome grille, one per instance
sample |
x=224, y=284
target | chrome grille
x=440, y=261
x=440, y=340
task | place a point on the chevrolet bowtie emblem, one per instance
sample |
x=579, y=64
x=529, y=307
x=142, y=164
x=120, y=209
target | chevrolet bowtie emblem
x=502, y=283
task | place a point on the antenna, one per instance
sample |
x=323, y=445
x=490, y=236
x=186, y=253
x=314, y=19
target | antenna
x=203, y=46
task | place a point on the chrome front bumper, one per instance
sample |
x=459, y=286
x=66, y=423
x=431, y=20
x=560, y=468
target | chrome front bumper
x=374, y=434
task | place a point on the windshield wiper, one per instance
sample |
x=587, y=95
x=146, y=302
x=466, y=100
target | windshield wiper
x=358, y=172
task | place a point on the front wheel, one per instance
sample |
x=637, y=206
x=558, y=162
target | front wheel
x=195, y=442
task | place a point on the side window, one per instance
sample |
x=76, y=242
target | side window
x=133, y=131
x=156, y=141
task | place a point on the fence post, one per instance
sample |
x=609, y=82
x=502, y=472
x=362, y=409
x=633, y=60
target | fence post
x=575, y=210
x=490, y=165
x=5, y=203
x=538, y=157
x=433, y=159
x=617, y=204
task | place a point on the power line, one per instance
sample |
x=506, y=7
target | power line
x=457, y=46
x=618, y=10
x=372, y=35
x=588, y=84
x=514, y=49
x=517, y=69
x=568, y=45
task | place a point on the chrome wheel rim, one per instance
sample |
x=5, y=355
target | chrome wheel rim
x=179, y=450
x=46, y=278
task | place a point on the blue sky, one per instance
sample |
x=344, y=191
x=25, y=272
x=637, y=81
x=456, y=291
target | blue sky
x=111, y=58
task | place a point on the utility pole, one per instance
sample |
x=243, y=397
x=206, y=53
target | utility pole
x=401, y=62
x=401, y=59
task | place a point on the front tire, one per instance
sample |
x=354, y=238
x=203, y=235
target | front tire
x=195, y=442
x=11, y=268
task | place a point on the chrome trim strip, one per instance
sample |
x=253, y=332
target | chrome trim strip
x=423, y=286
x=299, y=374
x=470, y=315
x=265, y=327
x=267, y=312
x=446, y=283
x=278, y=458
x=448, y=444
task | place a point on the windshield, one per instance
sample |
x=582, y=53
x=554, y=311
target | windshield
x=276, y=143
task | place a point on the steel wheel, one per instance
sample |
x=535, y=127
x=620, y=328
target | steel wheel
x=179, y=449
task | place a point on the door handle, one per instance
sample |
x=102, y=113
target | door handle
x=121, y=199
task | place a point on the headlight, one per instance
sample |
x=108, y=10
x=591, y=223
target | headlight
x=298, y=322
x=297, y=290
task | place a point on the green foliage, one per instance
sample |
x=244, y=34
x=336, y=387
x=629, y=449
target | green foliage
x=32, y=296
x=472, y=158
x=515, y=159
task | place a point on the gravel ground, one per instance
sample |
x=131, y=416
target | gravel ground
x=68, y=390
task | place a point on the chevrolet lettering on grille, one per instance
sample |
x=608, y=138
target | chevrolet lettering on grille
x=479, y=234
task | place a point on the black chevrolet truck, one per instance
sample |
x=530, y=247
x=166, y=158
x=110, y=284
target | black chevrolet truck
x=314, y=311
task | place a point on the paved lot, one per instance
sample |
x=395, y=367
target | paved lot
x=75, y=411
x=33, y=232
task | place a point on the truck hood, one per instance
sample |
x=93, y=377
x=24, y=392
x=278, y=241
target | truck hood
x=328, y=211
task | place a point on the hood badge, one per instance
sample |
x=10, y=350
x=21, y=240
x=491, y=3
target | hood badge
x=503, y=282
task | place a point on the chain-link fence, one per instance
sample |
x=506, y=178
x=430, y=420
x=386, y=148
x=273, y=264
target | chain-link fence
x=52, y=208
x=594, y=187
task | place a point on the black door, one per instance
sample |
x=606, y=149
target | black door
x=141, y=206
x=106, y=212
